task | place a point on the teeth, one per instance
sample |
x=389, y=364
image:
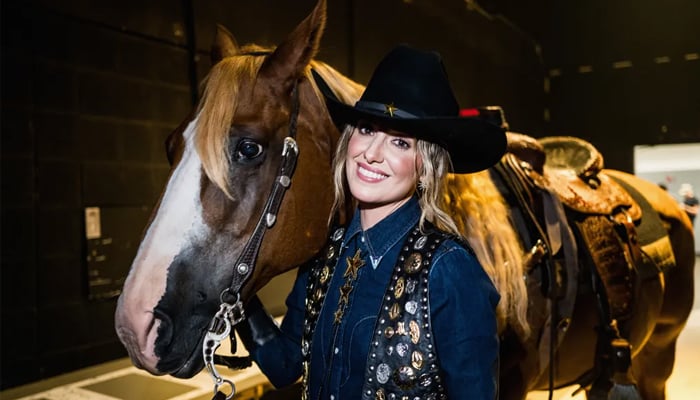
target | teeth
x=370, y=174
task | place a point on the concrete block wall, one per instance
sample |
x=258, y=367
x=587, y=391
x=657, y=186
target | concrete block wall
x=90, y=90
x=88, y=98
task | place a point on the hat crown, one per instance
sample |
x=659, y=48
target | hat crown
x=413, y=81
x=409, y=92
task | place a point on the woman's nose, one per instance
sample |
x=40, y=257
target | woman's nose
x=373, y=152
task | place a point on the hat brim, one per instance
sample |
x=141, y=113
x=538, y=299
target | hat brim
x=473, y=144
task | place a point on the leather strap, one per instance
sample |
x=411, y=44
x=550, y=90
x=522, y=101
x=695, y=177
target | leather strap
x=613, y=261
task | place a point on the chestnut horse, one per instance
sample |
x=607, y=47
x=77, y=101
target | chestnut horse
x=230, y=161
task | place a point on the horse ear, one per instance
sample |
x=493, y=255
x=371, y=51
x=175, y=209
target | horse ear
x=289, y=60
x=224, y=45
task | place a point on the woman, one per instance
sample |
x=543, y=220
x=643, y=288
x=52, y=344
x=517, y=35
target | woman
x=397, y=306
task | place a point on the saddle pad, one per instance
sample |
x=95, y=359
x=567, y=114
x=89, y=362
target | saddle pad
x=651, y=233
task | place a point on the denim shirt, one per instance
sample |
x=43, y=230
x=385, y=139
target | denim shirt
x=462, y=309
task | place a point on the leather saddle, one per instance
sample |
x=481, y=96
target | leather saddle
x=600, y=210
x=573, y=169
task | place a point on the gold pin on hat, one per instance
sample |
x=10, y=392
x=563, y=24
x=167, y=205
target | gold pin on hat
x=389, y=109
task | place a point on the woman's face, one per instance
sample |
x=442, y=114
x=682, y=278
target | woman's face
x=381, y=167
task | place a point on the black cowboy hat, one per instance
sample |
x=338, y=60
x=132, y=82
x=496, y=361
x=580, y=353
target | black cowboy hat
x=409, y=92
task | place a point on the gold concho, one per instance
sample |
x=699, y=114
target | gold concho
x=388, y=332
x=380, y=394
x=417, y=359
x=413, y=262
x=401, y=328
x=325, y=273
x=318, y=294
x=400, y=285
x=414, y=331
x=394, y=311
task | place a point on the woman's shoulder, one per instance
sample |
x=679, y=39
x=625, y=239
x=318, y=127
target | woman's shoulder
x=456, y=248
x=455, y=269
x=455, y=258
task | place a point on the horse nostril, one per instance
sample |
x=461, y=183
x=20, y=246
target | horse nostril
x=201, y=297
x=165, y=328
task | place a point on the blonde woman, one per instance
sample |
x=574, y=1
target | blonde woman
x=398, y=305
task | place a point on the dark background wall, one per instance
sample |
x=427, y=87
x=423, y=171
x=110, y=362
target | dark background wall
x=90, y=90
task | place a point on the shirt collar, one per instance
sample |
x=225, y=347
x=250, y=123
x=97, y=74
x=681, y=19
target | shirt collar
x=387, y=232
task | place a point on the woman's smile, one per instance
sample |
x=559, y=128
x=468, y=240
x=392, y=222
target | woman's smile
x=368, y=174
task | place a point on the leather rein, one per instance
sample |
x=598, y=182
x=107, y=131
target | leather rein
x=231, y=310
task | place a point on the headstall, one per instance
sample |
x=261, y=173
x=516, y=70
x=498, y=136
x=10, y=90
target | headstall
x=231, y=310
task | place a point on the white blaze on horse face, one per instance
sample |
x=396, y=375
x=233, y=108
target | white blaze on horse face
x=177, y=221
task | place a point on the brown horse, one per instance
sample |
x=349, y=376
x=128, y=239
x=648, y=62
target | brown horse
x=225, y=162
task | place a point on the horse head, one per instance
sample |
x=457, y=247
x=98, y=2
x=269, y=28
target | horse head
x=225, y=162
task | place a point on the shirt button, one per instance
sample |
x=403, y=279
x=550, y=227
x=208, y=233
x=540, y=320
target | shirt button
x=362, y=238
x=336, y=350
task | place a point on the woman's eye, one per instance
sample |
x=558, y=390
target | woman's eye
x=401, y=143
x=365, y=129
x=248, y=149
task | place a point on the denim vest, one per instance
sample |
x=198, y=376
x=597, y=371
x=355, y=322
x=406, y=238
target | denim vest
x=402, y=363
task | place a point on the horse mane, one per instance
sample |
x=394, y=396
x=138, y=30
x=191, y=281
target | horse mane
x=216, y=110
x=475, y=204
x=347, y=90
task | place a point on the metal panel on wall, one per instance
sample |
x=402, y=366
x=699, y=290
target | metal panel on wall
x=112, y=238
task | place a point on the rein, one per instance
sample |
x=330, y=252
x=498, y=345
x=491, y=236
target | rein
x=231, y=310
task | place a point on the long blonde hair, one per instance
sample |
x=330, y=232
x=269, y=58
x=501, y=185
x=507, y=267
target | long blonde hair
x=470, y=207
x=483, y=217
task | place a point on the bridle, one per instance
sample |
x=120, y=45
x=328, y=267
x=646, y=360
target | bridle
x=231, y=310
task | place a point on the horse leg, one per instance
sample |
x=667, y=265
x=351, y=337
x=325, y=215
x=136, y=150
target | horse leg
x=653, y=365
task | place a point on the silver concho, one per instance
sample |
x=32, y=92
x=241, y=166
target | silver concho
x=410, y=286
x=405, y=377
x=338, y=234
x=383, y=373
x=411, y=307
x=402, y=349
x=420, y=243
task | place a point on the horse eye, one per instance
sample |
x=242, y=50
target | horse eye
x=248, y=149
